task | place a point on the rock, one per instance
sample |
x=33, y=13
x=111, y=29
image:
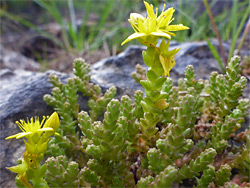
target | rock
x=22, y=93
x=117, y=70
x=197, y=54
x=13, y=60
x=112, y=70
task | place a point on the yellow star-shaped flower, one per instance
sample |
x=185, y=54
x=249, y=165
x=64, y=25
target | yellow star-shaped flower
x=31, y=127
x=150, y=28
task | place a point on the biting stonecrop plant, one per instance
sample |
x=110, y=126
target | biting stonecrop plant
x=168, y=135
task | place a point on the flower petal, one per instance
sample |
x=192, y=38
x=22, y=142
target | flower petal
x=57, y=134
x=170, y=33
x=134, y=17
x=161, y=34
x=134, y=36
x=176, y=27
x=24, y=134
x=173, y=52
x=150, y=10
x=165, y=17
x=45, y=129
x=134, y=20
x=13, y=136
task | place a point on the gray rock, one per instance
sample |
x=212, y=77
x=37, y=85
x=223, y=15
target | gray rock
x=117, y=70
x=14, y=60
x=112, y=70
x=22, y=93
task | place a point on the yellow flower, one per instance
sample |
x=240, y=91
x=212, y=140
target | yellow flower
x=153, y=27
x=167, y=57
x=32, y=127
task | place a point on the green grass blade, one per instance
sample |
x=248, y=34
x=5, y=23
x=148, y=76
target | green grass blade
x=234, y=17
x=246, y=31
x=73, y=32
x=52, y=8
x=73, y=36
x=215, y=54
x=236, y=36
x=83, y=29
x=104, y=17
x=30, y=25
x=72, y=15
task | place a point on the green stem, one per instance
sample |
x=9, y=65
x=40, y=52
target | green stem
x=244, y=36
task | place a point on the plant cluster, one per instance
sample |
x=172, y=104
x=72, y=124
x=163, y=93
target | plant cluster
x=169, y=134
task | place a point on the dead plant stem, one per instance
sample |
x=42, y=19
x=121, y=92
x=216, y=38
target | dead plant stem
x=216, y=31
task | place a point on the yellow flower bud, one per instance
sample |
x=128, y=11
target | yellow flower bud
x=167, y=57
x=161, y=104
x=53, y=121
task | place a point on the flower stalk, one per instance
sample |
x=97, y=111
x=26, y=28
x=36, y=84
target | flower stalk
x=159, y=59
